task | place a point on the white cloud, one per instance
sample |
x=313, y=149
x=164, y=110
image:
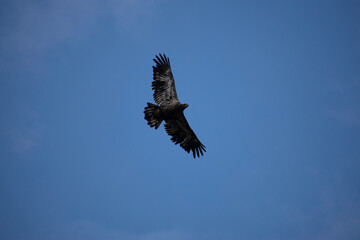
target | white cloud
x=347, y=108
x=37, y=26
x=349, y=116
x=342, y=228
x=128, y=12
x=92, y=231
x=25, y=134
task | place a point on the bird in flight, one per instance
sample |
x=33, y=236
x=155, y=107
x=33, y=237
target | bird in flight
x=169, y=109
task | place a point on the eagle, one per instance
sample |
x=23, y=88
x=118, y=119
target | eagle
x=169, y=109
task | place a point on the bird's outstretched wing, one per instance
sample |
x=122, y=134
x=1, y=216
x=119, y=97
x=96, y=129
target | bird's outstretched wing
x=181, y=133
x=163, y=84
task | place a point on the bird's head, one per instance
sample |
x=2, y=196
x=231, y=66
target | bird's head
x=185, y=105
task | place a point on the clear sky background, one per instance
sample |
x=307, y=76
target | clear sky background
x=274, y=95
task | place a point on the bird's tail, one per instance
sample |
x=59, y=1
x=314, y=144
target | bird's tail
x=152, y=115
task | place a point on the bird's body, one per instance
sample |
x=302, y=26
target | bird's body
x=169, y=109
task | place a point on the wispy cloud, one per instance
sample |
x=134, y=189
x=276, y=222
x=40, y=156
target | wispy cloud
x=90, y=230
x=340, y=228
x=39, y=26
x=346, y=110
x=349, y=115
x=26, y=133
x=31, y=28
x=128, y=12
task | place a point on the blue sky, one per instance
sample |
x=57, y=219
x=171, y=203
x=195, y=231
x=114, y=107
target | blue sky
x=273, y=89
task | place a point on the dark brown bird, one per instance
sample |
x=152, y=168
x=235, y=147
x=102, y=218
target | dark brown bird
x=169, y=109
